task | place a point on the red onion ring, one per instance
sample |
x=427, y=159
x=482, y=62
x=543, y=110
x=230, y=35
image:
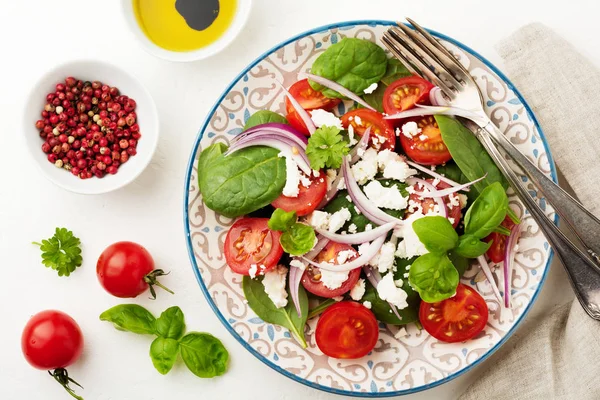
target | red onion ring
x=448, y=191
x=421, y=110
x=358, y=238
x=277, y=142
x=509, y=256
x=358, y=262
x=340, y=89
x=362, y=145
x=278, y=129
x=310, y=125
x=436, y=97
x=433, y=173
x=294, y=278
x=426, y=185
x=485, y=267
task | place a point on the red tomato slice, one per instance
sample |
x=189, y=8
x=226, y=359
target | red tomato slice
x=404, y=93
x=456, y=319
x=426, y=147
x=347, y=330
x=311, y=279
x=427, y=204
x=251, y=242
x=382, y=132
x=308, y=198
x=496, y=251
x=309, y=99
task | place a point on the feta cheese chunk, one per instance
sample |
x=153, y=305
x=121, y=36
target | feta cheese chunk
x=411, y=246
x=253, y=270
x=387, y=291
x=338, y=219
x=410, y=129
x=358, y=291
x=393, y=166
x=333, y=280
x=384, y=259
x=367, y=304
x=325, y=118
x=274, y=283
x=319, y=219
x=385, y=197
x=401, y=333
x=366, y=169
x=292, y=180
x=371, y=88
x=344, y=256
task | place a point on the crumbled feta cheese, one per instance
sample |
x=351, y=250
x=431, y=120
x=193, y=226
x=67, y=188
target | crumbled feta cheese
x=365, y=169
x=319, y=219
x=454, y=201
x=401, y=333
x=297, y=264
x=344, y=255
x=325, y=118
x=338, y=298
x=410, y=129
x=371, y=88
x=292, y=180
x=358, y=290
x=414, y=206
x=452, y=220
x=398, y=132
x=333, y=280
x=305, y=180
x=363, y=248
x=352, y=228
x=253, y=270
x=357, y=120
x=384, y=197
x=353, y=140
x=349, y=198
x=384, y=259
x=411, y=245
x=463, y=200
x=338, y=219
x=274, y=283
x=367, y=304
x=331, y=176
x=399, y=282
x=398, y=170
x=387, y=290
x=423, y=137
x=341, y=184
x=356, y=210
x=368, y=227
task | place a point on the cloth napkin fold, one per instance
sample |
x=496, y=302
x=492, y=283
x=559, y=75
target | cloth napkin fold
x=560, y=357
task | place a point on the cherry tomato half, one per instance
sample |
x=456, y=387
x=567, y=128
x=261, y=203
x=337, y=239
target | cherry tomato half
x=308, y=198
x=347, y=330
x=309, y=99
x=404, y=93
x=426, y=147
x=428, y=204
x=311, y=279
x=382, y=132
x=251, y=242
x=496, y=251
x=456, y=319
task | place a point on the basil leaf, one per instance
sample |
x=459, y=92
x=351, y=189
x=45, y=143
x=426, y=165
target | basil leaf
x=261, y=304
x=395, y=70
x=460, y=263
x=353, y=63
x=298, y=240
x=204, y=354
x=242, y=182
x=436, y=233
x=487, y=211
x=163, y=352
x=471, y=247
x=130, y=317
x=171, y=323
x=469, y=154
x=382, y=310
x=281, y=220
x=434, y=277
x=264, y=117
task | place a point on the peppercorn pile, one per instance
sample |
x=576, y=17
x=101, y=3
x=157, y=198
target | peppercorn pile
x=88, y=128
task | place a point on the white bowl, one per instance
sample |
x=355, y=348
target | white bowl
x=239, y=20
x=88, y=70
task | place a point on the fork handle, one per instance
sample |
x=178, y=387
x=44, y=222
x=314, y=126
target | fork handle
x=583, y=272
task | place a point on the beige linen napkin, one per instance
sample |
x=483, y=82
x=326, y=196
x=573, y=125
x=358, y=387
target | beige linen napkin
x=560, y=357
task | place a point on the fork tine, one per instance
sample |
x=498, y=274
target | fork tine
x=396, y=52
x=418, y=62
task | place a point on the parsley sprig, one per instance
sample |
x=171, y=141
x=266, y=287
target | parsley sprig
x=61, y=252
x=326, y=148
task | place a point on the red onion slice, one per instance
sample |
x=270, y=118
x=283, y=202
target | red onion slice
x=332, y=190
x=361, y=146
x=295, y=276
x=275, y=129
x=321, y=243
x=433, y=174
x=356, y=263
x=358, y=238
x=446, y=192
x=277, y=143
x=443, y=211
x=340, y=89
x=436, y=97
x=374, y=278
x=310, y=125
x=421, y=110
x=485, y=267
x=509, y=257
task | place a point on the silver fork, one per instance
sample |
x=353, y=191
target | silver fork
x=419, y=51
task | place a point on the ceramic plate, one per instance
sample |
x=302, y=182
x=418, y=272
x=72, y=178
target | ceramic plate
x=397, y=365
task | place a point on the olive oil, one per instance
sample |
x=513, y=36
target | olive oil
x=184, y=25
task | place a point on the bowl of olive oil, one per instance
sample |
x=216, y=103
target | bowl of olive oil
x=186, y=30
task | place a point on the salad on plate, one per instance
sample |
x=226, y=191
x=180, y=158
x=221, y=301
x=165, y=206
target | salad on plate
x=363, y=204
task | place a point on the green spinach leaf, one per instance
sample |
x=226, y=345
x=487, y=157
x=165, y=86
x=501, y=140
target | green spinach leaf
x=320, y=308
x=298, y=240
x=382, y=310
x=353, y=63
x=131, y=318
x=471, y=247
x=163, y=352
x=264, y=117
x=436, y=233
x=434, y=277
x=261, y=304
x=208, y=156
x=171, y=323
x=281, y=220
x=204, y=354
x=242, y=182
x=487, y=211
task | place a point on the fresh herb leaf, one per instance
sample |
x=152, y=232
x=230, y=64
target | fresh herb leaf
x=487, y=211
x=264, y=117
x=62, y=252
x=132, y=318
x=471, y=247
x=382, y=310
x=318, y=310
x=502, y=230
x=460, y=263
x=298, y=240
x=204, y=354
x=163, y=353
x=261, y=304
x=513, y=216
x=434, y=277
x=171, y=323
x=326, y=148
x=281, y=220
x=436, y=233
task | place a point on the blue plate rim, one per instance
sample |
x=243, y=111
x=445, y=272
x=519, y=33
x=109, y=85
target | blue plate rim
x=196, y=270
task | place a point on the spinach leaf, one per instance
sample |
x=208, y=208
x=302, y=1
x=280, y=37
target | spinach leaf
x=469, y=154
x=460, y=263
x=451, y=171
x=131, y=317
x=261, y=304
x=353, y=63
x=264, y=117
x=204, y=354
x=382, y=310
x=487, y=211
x=471, y=247
x=395, y=70
x=281, y=220
x=434, y=277
x=436, y=233
x=319, y=309
x=171, y=323
x=163, y=352
x=298, y=240
x=208, y=156
x=242, y=182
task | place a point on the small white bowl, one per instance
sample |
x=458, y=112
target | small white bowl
x=85, y=70
x=239, y=20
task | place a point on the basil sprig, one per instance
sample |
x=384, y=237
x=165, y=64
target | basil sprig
x=297, y=238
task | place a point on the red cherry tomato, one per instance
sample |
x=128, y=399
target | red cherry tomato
x=308, y=198
x=126, y=269
x=311, y=279
x=250, y=242
x=496, y=251
x=347, y=330
x=404, y=93
x=426, y=147
x=310, y=100
x=427, y=204
x=382, y=132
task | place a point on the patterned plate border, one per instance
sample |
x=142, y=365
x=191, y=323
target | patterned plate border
x=207, y=294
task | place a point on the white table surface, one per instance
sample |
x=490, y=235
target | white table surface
x=37, y=34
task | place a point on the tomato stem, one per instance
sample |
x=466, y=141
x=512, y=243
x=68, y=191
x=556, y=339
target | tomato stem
x=61, y=376
x=150, y=279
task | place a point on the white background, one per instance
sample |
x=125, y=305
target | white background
x=35, y=35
